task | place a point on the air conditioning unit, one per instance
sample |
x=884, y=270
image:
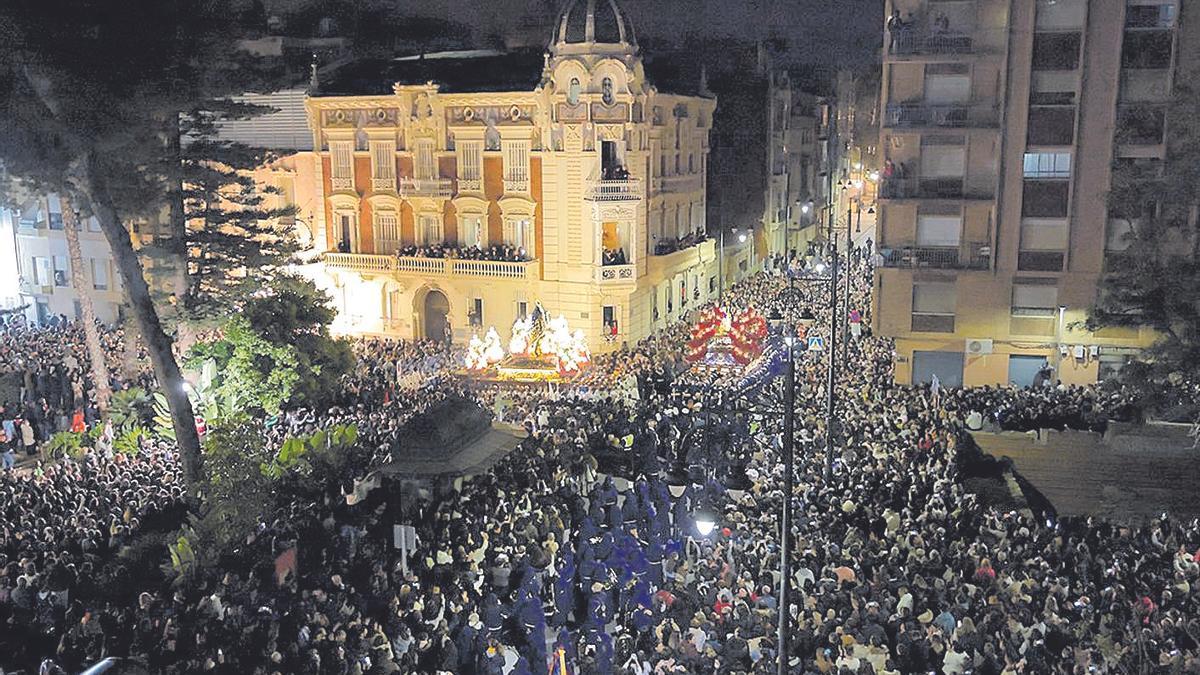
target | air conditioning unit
x=977, y=347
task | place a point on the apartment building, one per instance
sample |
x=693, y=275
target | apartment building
x=1002, y=124
x=44, y=267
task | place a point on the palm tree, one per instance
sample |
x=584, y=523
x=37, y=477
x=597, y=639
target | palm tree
x=87, y=311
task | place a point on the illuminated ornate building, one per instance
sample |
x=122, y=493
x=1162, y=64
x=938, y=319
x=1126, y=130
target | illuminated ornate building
x=447, y=193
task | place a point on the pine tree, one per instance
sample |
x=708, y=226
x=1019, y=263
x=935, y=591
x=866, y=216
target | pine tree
x=91, y=96
x=233, y=239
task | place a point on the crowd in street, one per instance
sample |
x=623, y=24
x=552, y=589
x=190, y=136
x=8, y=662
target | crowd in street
x=45, y=382
x=571, y=555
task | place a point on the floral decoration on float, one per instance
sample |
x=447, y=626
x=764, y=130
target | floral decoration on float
x=719, y=340
x=540, y=349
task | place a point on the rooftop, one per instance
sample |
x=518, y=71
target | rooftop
x=456, y=72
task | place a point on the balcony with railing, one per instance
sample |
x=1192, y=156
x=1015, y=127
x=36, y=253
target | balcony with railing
x=908, y=255
x=920, y=41
x=943, y=187
x=470, y=185
x=340, y=183
x=383, y=183
x=516, y=185
x=624, y=190
x=914, y=42
x=426, y=187
x=617, y=274
x=669, y=261
x=445, y=267
x=919, y=114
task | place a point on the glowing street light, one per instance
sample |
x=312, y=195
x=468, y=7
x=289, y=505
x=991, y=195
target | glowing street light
x=706, y=520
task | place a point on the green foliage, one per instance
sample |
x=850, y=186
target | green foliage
x=249, y=367
x=163, y=427
x=130, y=408
x=298, y=455
x=129, y=441
x=93, y=434
x=1155, y=282
x=244, y=481
x=277, y=350
x=65, y=444
x=295, y=312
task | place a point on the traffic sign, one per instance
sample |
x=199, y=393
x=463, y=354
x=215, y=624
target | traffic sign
x=816, y=343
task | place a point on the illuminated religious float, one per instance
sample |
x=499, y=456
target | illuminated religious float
x=540, y=350
x=725, y=342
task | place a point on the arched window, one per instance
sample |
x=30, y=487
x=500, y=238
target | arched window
x=606, y=91
x=573, y=91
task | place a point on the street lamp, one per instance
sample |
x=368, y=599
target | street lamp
x=785, y=521
x=706, y=520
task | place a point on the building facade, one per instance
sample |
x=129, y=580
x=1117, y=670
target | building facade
x=1002, y=124
x=449, y=193
x=44, y=265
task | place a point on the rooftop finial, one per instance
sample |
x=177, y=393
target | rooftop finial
x=314, y=84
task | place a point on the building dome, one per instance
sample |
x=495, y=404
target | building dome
x=593, y=26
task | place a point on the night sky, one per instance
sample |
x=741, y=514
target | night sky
x=842, y=32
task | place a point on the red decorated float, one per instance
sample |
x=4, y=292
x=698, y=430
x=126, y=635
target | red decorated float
x=723, y=341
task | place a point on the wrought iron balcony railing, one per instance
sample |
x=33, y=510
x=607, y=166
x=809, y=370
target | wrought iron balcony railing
x=967, y=256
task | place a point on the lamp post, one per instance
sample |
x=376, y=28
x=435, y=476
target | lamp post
x=705, y=517
x=785, y=521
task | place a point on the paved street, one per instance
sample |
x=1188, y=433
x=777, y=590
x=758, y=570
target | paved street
x=1082, y=475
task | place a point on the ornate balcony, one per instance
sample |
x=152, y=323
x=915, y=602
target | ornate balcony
x=366, y=263
x=342, y=182
x=361, y=262
x=385, y=184
x=626, y=190
x=516, y=186
x=470, y=185
x=617, y=274
x=966, y=256
x=426, y=187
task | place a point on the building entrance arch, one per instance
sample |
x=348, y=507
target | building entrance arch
x=436, y=311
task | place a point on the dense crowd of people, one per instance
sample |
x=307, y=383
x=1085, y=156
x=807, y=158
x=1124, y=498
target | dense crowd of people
x=45, y=380
x=571, y=555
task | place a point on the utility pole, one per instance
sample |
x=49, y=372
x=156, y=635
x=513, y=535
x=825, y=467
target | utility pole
x=785, y=523
x=829, y=418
